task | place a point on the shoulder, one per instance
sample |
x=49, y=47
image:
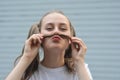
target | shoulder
x=88, y=71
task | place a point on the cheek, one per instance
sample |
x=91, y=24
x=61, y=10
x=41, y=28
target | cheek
x=45, y=43
x=66, y=43
x=69, y=33
x=44, y=32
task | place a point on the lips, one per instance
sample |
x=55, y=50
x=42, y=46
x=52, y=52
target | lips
x=56, y=38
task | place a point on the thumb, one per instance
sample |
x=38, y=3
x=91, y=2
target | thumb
x=73, y=47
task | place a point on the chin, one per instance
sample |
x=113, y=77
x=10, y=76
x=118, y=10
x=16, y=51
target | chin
x=55, y=46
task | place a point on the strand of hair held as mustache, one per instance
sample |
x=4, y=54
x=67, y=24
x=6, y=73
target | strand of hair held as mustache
x=61, y=35
x=77, y=46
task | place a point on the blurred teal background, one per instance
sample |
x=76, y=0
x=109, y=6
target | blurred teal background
x=97, y=22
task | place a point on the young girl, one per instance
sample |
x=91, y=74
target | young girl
x=64, y=54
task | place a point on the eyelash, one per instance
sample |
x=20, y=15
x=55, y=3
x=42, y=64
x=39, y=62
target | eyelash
x=49, y=28
x=63, y=29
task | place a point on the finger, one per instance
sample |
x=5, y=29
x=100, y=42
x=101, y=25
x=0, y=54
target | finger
x=34, y=39
x=76, y=45
x=79, y=44
x=79, y=41
x=40, y=35
x=39, y=38
x=73, y=47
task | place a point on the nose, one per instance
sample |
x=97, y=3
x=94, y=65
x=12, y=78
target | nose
x=56, y=31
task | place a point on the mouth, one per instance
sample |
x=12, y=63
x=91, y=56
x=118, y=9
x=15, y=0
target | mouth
x=56, y=38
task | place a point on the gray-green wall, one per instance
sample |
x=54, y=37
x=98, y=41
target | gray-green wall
x=97, y=22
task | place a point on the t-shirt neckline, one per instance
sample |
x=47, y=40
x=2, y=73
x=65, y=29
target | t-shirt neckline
x=42, y=67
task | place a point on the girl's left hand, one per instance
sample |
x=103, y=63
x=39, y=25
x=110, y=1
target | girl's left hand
x=78, y=49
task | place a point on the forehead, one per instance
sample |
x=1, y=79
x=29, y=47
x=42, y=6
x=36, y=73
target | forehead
x=55, y=18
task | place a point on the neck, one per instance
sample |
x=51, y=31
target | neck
x=53, y=59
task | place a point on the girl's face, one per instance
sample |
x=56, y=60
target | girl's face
x=55, y=23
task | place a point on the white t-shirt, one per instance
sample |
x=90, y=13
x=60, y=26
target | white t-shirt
x=60, y=73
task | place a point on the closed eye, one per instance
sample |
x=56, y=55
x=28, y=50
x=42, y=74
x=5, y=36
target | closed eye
x=63, y=27
x=49, y=27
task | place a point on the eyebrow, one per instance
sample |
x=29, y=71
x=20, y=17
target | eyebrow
x=49, y=24
x=62, y=23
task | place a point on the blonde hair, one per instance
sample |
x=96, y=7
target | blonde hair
x=36, y=28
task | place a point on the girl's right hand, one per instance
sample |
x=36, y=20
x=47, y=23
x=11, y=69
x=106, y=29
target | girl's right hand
x=32, y=46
